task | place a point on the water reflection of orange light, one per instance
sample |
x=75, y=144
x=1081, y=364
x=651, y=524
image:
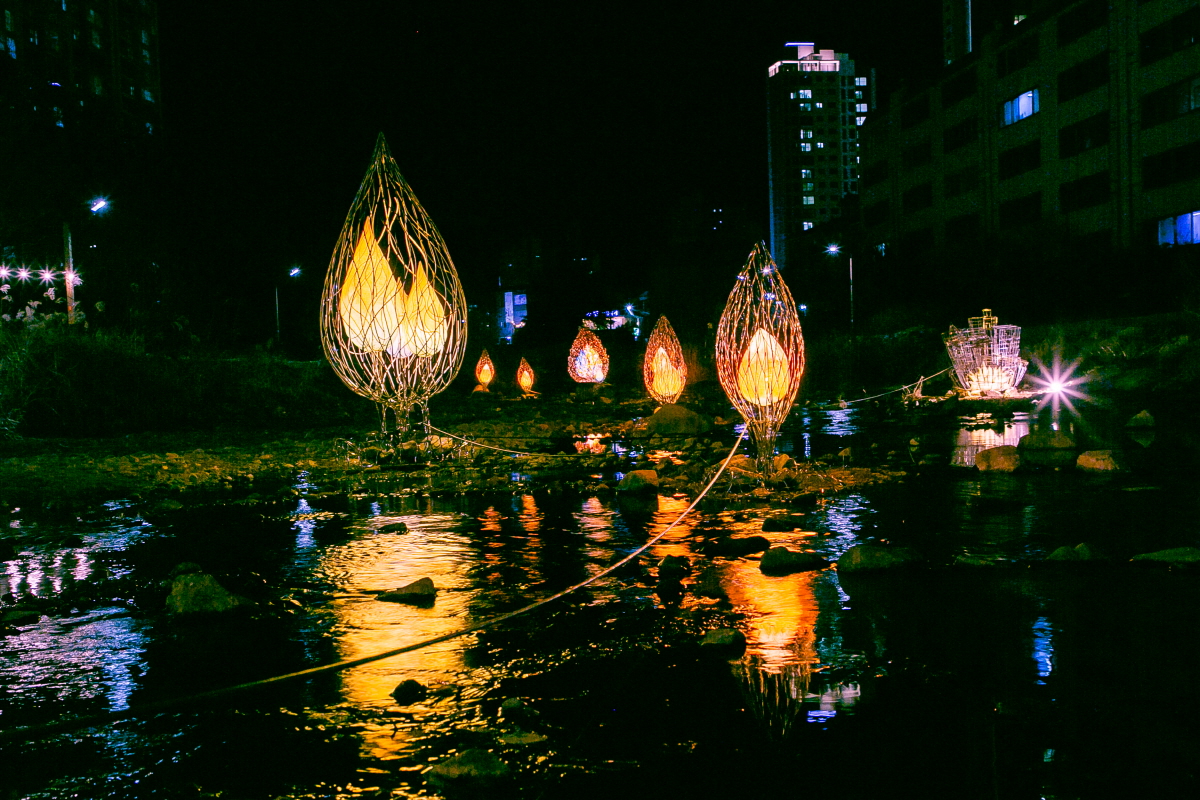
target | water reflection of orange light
x=491, y=520
x=366, y=625
x=781, y=612
x=531, y=517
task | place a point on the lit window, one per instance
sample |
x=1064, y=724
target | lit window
x=145, y=37
x=806, y=225
x=808, y=186
x=1022, y=106
x=803, y=94
x=146, y=56
x=858, y=95
x=859, y=120
x=861, y=108
x=805, y=147
x=820, y=144
x=148, y=96
x=809, y=200
x=806, y=174
x=820, y=105
x=860, y=81
x=804, y=106
x=1184, y=229
x=805, y=134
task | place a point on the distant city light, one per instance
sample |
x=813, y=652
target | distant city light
x=99, y=204
x=833, y=249
x=294, y=272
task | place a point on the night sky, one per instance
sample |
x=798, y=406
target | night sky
x=581, y=124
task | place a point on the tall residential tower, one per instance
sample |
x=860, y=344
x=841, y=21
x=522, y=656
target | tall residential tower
x=815, y=105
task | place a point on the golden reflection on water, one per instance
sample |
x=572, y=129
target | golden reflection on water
x=365, y=625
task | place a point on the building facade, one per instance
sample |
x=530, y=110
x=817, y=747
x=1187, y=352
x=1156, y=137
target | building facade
x=1076, y=124
x=815, y=106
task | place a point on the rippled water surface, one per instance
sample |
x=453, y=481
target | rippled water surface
x=996, y=677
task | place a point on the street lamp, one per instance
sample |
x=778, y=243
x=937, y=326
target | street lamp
x=834, y=250
x=97, y=205
x=293, y=272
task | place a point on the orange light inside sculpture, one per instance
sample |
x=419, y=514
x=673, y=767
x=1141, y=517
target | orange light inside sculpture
x=525, y=376
x=424, y=324
x=763, y=376
x=588, y=362
x=664, y=369
x=485, y=370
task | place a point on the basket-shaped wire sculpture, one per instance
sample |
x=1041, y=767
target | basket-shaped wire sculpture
x=664, y=369
x=485, y=371
x=986, y=355
x=760, y=351
x=525, y=377
x=588, y=362
x=393, y=313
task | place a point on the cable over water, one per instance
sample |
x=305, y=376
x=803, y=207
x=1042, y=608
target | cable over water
x=49, y=728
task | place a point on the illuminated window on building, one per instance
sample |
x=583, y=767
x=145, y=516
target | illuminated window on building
x=806, y=173
x=859, y=120
x=861, y=108
x=820, y=145
x=802, y=94
x=805, y=146
x=12, y=47
x=858, y=95
x=1022, y=106
x=809, y=200
x=806, y=225
x=145, y=56
x=808, y=186
x=860, y=81
x=806, y=134
x=1184, y=229
x=148, y=95
x=804, y=106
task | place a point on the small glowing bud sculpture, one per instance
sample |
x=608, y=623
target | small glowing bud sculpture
x=525, y=377
x=588, y=362
x=663, y=369
x=485, y=371
x=393, y=313
x=760, y=351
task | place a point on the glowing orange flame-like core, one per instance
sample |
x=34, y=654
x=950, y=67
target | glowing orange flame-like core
x=763, y=376
x=485, y=370
x=588, y=362
x=663, y=369
x=525, y=376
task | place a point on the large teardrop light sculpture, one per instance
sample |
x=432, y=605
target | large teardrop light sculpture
x=393, y=313
x=588, y=361
x=664, y=369
x=760, y=351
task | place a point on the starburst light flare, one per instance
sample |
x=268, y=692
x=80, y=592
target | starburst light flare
x=588, y=362
x=664, y=369
x=1059, y=385
x=393, y=313
x=760, y=351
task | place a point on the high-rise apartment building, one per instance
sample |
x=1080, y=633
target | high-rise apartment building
x=815, y=105
x=1076, y=127
x=92, y=63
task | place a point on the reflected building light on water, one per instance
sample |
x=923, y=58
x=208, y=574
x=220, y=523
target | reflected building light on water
x=840, y=422
x=844, y=517
x=304, y=526
x=1043, y=646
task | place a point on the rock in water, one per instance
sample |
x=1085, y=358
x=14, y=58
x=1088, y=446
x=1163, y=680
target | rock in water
x=394, y=527
x=409, y=692
x=470, y=766
x=1143, y=419
x=676, y=421
x=419, y=592
x=639, y=480
x=199, y=592
x=780, y=523
x=1098, y=461
x=1174, y=555
x=728, y=643
x=674, y=568
x=873, y=556
x=708, y=584
x=736, y=546
x=782, y=561
x=1047, y=448
x=1004, y=458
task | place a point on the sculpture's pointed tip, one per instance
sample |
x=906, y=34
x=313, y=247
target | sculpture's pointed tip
x=381, y=148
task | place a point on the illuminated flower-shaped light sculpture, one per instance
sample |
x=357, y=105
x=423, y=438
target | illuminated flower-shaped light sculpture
x=525, y=377
x=393, y=313
x=663, y=369
x=760, y=351
x=588, y=362
x=485, y=371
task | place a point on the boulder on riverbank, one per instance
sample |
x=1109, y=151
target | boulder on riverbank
x=470, y=767
x=419, y=592
x=639, y=481
x=1080, y=552
x=868, y=557
x=1047, y=448
x=1173, y=555
x=1004, y=458
x=675, y=421
x=1098, y=461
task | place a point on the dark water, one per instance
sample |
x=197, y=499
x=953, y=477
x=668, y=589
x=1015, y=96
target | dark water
x=1004, y=678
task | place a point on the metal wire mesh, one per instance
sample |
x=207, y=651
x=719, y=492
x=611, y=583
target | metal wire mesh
x=393, y=313
x=485, y=370
x=985, y=355
x=663, y=368
x=760, y=351
x=588, y=361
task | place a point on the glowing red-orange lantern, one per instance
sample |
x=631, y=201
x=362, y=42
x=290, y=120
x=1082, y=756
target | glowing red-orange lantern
x=525, y=377
x=485, y=371
x=760, y=350
x=588, y=362
x=664, y=369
